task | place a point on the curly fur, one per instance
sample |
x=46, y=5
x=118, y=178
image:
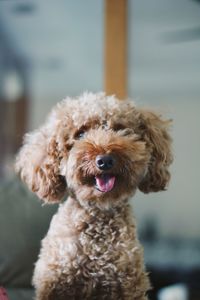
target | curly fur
x=91, y=250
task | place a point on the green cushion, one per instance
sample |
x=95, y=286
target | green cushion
x=23, y=223
x=20, y=294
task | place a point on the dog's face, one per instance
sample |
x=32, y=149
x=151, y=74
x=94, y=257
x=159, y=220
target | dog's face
x=98, y=148
x=106, y=162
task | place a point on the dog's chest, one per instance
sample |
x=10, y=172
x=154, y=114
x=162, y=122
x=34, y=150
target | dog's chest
x=99, y=256
x=108, y=244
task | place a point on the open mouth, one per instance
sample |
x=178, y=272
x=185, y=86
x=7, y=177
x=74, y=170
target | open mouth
x=105, y=182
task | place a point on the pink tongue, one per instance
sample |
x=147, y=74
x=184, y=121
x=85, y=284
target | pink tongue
x=105, y=183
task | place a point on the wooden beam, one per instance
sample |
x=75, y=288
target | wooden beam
x=116, y=48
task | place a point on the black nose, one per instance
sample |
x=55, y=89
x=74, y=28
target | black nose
x=104, y=162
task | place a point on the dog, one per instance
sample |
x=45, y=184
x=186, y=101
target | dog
x=99, y=151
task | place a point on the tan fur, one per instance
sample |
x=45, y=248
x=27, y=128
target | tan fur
x=91, y=250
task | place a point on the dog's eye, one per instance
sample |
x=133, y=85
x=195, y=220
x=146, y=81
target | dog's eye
x=79, y=134
x=118, y=127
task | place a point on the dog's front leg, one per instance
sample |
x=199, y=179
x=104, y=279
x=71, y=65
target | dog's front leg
x=49, y=286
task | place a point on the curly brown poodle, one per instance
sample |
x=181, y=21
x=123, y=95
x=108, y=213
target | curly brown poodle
x=98, y=150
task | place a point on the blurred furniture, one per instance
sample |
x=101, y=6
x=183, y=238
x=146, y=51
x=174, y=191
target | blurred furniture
x=14, y=97
x=116, y=21
x=23, y=223
x=173, y=261
x=3, y=294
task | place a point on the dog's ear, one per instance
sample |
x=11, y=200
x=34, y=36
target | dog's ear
x=38, y=164
x=155, y=132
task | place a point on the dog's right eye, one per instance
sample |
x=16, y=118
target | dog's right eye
x=79, y=134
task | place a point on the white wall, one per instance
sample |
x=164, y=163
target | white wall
x=80, y=49
x=62, y=42
x=165, y=72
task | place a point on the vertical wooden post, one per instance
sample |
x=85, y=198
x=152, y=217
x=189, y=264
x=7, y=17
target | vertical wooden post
x=116, y=48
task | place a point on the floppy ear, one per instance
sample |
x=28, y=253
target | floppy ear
x=38, y=165
x=154, y=131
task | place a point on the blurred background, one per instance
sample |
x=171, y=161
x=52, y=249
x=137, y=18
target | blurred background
x=53, y=49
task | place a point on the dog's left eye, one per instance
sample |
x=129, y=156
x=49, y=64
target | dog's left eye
x=118, y=127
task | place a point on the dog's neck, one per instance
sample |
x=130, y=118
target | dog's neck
x=79, y=219
x=106, y=206
x=92, y=210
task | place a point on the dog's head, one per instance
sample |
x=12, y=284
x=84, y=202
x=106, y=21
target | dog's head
x=97, y=148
